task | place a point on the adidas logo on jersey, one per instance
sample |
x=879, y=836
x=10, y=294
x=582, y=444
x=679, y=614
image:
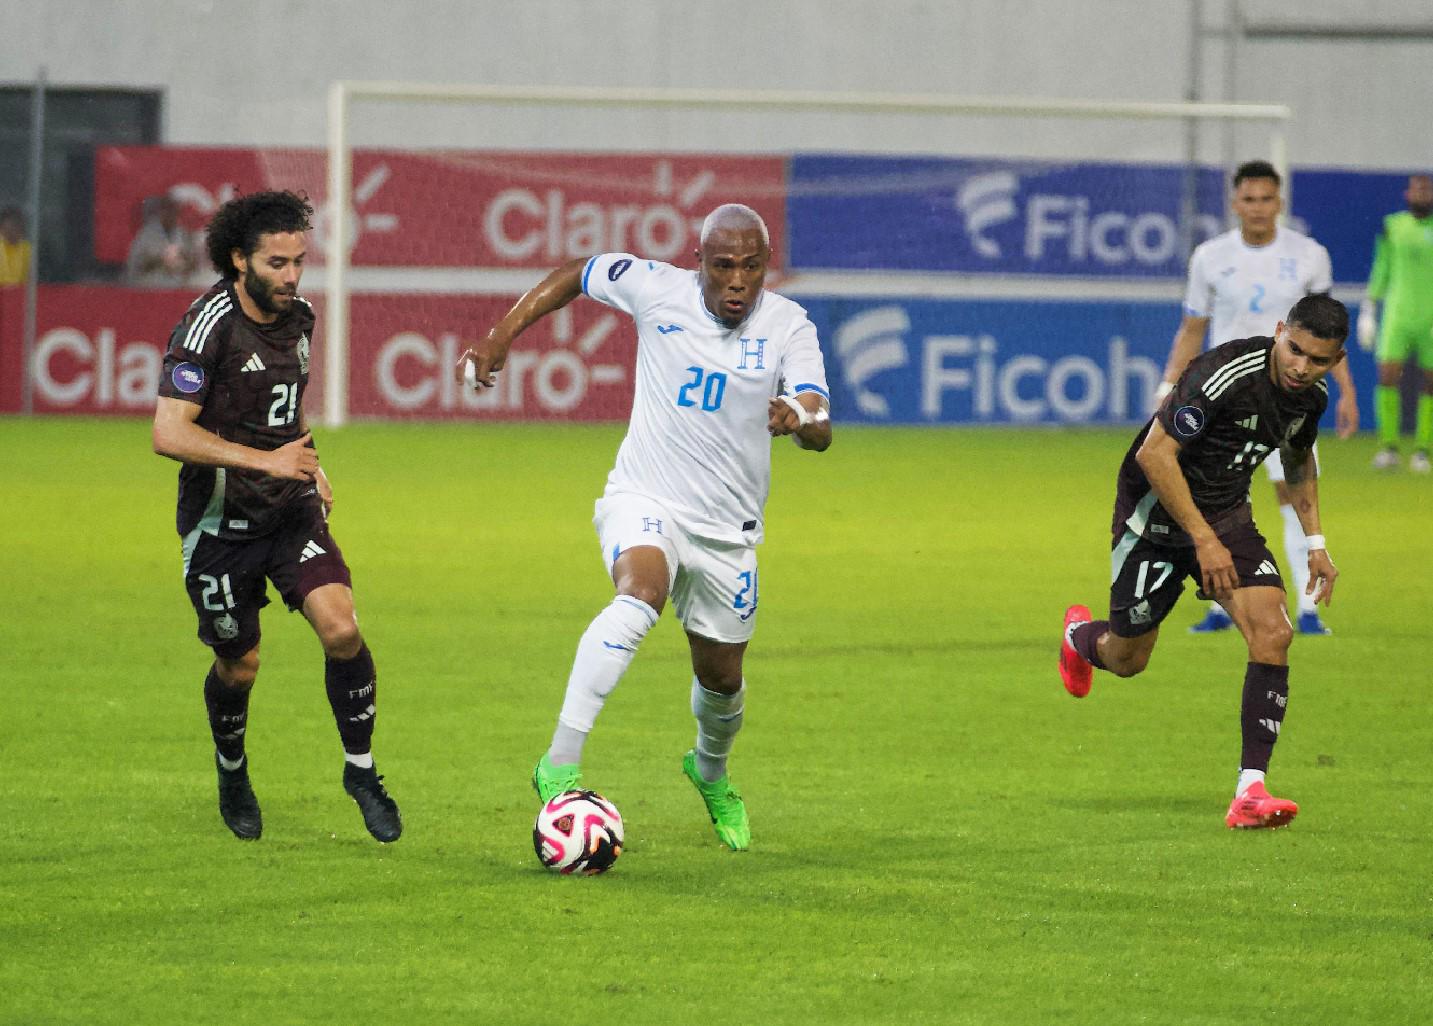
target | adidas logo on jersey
x=1250, y=423
x=253, y=363
x=310, y=550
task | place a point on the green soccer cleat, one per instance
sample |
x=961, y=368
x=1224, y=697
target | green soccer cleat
x=549, y=781
x=724, y=805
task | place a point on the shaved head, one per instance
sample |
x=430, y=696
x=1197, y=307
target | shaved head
x=737, y=217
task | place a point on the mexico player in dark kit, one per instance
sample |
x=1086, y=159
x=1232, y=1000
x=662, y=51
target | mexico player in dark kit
x=253, y=501
x=1182, y=510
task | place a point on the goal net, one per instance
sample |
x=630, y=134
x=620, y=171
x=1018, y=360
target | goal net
x=939, y=243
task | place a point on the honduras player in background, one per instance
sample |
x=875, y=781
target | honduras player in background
x=1240, y=284
x=722, y=366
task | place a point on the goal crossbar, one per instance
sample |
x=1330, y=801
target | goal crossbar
x=341, y=94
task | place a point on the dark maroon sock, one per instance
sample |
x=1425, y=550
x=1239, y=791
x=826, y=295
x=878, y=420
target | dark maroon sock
x=1086, y=639
x=1266, y=696
x=228, y=715
x=352, y=688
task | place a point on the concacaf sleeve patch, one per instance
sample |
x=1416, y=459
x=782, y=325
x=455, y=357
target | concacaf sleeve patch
x=1188, y=421
x=188, y=378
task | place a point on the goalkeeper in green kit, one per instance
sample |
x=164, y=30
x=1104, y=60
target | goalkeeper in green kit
x=1402, y=279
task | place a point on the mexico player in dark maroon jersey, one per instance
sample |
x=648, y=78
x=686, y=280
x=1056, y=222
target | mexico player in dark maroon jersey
x=1182, y=510
x=253, y=501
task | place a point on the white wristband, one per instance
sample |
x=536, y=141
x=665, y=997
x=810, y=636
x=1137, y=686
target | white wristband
x=803, y=415
x=1165, y=387
x=1316, y=541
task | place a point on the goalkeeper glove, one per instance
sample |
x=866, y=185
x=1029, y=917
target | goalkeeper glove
x=1367, y=326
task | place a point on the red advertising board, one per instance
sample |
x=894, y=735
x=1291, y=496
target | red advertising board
x=99, y=350
x=446, y=209
x=575, y=364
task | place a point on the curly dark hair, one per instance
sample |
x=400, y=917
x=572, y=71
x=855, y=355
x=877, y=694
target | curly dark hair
x=239, y=223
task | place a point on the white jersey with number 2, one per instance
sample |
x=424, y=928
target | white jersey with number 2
x=697, y=439
x=1247, y=290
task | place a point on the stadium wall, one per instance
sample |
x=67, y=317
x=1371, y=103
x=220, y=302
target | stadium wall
x=257, y=75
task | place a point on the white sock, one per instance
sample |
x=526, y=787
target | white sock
x=1296, y=547
x=603, y=655
x=1247, y=779
x=719, y=718
x=363, y=761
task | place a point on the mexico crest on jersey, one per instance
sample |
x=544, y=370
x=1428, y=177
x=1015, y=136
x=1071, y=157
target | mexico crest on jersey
x=303, y=353
x=1293, y=429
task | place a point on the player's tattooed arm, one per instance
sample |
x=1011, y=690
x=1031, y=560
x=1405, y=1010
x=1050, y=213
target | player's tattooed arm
x=1298, y=464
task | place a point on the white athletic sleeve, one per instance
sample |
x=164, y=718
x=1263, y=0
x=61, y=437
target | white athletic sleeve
x=1199, y=294
x=802, y=367
x=618, y=280
x=1321, y=272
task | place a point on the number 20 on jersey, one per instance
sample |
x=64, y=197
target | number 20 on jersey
x=712, y=385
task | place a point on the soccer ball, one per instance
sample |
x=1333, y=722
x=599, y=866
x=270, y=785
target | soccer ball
x=578, y=832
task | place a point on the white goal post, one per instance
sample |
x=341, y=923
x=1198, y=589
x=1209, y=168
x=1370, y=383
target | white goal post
x=343, y=94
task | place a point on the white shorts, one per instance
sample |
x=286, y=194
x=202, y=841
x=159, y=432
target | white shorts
x=1275, y=466
x=713, y=584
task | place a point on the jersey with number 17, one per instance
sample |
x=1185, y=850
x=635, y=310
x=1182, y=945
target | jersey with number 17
x=697, y=439
x=1247, y=290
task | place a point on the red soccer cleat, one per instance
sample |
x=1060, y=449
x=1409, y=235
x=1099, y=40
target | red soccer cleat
x=1257, y=809
x=1075, y=669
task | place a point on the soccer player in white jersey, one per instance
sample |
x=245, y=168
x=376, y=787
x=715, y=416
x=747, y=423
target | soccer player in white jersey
x=722, y=366
x=1240, y=284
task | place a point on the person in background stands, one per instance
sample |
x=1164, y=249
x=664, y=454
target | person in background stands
x=14, y=247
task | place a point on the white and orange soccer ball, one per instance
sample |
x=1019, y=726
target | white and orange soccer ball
x=578, y=832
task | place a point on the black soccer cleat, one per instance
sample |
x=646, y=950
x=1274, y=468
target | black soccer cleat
x=237, y=803
x=380, y=812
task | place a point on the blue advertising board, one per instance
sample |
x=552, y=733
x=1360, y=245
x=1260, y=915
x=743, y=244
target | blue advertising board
x=923, y=361
x=1085, y=219
x=993, y=216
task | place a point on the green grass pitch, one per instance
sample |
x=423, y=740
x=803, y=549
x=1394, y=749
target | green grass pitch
x=941, y=834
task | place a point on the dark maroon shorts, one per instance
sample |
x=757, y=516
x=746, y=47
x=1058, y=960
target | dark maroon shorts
x=1148, y=579
x=226, y=580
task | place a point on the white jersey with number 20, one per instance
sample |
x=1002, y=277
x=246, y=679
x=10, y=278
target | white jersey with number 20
x=1247, y=290
x=697, y=439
